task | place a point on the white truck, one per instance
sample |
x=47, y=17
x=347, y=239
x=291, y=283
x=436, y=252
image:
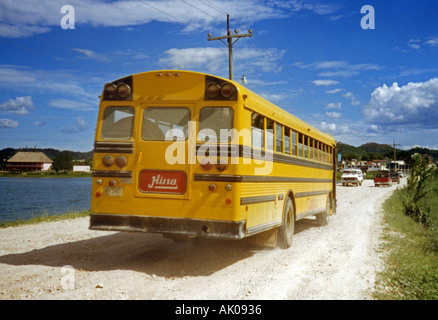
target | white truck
x=352, y=176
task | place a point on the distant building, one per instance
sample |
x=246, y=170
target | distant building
x=81, y=168
x=29, y=162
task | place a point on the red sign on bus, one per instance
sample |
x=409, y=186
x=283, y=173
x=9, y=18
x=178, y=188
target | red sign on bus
x=160, y=181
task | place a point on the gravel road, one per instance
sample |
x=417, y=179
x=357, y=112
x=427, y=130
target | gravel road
x=65, y=260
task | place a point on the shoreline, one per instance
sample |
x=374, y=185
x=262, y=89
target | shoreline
x=68, y=174
x=45, y=218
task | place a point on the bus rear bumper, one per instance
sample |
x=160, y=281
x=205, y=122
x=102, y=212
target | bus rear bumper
x=176, y=226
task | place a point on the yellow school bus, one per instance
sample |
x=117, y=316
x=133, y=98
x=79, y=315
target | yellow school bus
x=186, y=153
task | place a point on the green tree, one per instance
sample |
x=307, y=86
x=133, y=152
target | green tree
x=63, y=161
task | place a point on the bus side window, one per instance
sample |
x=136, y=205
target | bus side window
x=287, y=140
x=278, y=138
x=306, y=147
x=257, y=130
x=320, y=151
x=300, y=145
x=331, y=154
x=294, y=142
x=311, y=143
x=269, y=135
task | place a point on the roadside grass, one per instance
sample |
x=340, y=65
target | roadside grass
x=45, y=218
x=411, y=261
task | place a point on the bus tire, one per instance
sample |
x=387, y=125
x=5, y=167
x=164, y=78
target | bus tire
x=287, y=229
x=321, y=218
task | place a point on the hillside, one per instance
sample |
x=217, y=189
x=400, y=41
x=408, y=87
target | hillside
x=376, y=150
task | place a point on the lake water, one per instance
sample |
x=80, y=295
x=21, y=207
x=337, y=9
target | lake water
x=26, y=198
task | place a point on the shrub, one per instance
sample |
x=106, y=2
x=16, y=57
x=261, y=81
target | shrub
x=417, y=188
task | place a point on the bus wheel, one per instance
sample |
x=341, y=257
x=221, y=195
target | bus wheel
x=286, y=231
x=321, y=218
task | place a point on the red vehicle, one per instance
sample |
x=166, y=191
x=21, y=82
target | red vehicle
x=383, y=178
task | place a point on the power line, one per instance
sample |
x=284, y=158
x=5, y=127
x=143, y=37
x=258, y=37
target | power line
x=200, y=10
x=213, y=6
x=162, y=11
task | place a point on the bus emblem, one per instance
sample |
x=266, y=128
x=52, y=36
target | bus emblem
x=162, y=181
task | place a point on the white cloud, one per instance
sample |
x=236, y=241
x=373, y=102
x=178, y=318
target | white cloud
x=334, y=91
x=332, y=105
x=342, y=69
x=328, y=126
x=274, y=97
x=21, y=105
x=325, y=82
x=413, y=104
x=353, y=100
x=8, y=123
x=27, y=79
x=78, y=125
x=432, y=42
x=300, y=5
x=214, y=59
x=334, y=115
x=414, y=43
x=27, y=18
x=418, y=43
x=91, y=54
x=71, y=104
x=193, y=58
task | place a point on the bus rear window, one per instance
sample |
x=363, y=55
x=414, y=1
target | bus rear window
x=164, y=123
x=118, y=123
x=212, y=120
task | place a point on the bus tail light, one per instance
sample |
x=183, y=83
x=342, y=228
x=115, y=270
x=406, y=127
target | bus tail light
x=213, y=90
x=110, y=91
x=227, y=90
x=121, y=161
x=221, y=165
x=112, y=183
x=108, y=160
x=206, y=164
x=123, y=90
x=219, y=89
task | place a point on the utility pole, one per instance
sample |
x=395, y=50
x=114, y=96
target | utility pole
x=230, y=43
x=395, y=154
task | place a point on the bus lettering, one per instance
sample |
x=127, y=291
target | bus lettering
x=160, y=183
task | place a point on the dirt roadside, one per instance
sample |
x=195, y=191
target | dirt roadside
x=65, y=260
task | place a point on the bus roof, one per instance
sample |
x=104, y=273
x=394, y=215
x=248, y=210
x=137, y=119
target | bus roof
x=259, y=104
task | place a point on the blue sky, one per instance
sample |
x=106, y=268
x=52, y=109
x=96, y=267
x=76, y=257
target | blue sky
x=312, y=58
